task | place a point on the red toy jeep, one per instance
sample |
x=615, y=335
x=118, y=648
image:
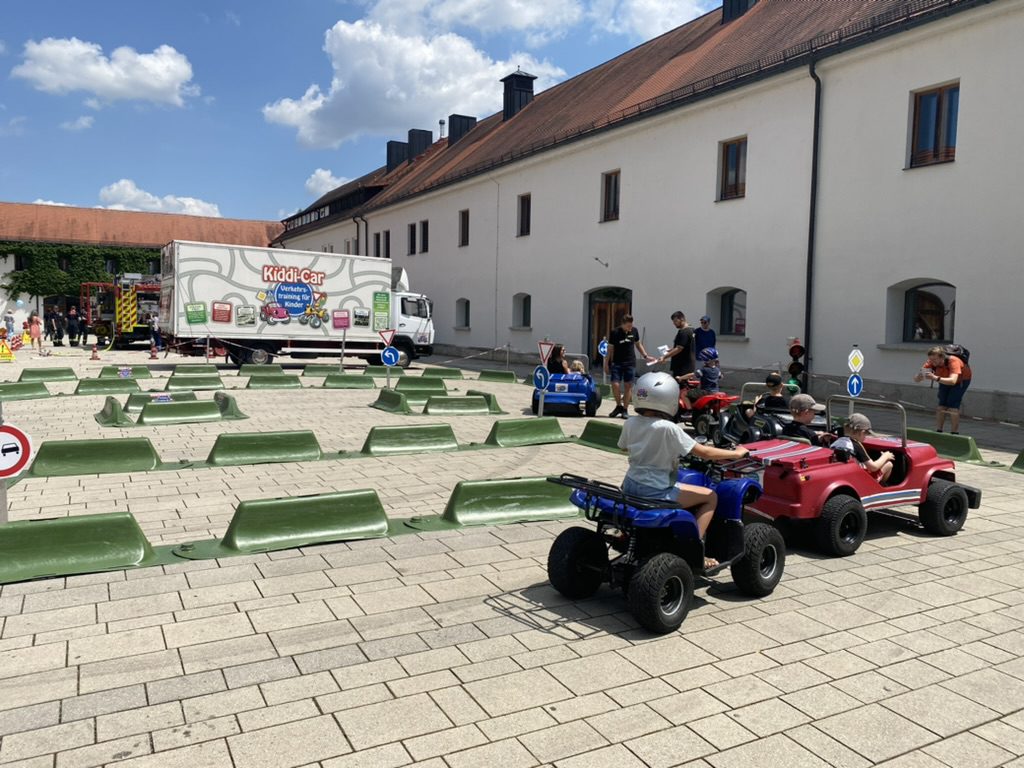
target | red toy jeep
x=804, y=482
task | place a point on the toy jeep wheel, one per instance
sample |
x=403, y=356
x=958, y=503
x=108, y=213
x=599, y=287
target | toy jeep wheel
x=842, y=525
x=944, y=510
x=577, y=562
x=764, y=557
x=660, y=593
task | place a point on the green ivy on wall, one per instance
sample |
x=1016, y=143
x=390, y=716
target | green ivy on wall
x=58, y=269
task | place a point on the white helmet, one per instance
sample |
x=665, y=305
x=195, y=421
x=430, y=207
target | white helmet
x=657, y=392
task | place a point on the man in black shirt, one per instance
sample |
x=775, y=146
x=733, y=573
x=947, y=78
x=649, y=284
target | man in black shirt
x=620, y=361
x=681, y=354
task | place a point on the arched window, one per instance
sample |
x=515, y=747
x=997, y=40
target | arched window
x=521, y=310
x=929, y=311
x=462, y=313
x=732, y=311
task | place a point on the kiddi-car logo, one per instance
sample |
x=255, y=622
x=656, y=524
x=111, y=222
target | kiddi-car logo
x=273, y=273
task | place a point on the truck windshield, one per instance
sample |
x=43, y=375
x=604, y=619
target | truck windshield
x=415, y=307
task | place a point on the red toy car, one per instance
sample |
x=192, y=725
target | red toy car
x=274, y=313
x=804, y=482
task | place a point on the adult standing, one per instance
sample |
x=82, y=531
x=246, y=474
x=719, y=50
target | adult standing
x=154, y=331
x=681, y=354
x=9, y=323
x=704, y=336
x=954, y=377
x=623, y=342
x=58, y=328
x=35, y=331
x=74, y=327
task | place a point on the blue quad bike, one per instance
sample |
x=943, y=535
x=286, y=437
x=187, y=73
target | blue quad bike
x=653, y=551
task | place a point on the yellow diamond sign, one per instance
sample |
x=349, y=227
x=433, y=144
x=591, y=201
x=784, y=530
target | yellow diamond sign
x=855, y=361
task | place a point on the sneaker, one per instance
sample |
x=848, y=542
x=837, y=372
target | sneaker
x=616, y=412
x=625, y=412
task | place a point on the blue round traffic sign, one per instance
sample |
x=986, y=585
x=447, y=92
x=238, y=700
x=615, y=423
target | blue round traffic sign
x=389, y=356
x=855, y=385
x=602, y=348
x=541, y=377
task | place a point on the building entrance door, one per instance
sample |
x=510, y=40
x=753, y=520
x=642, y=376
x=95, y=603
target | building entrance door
x=606, y=306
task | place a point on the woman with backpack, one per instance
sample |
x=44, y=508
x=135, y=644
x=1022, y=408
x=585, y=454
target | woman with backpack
x=948, y=366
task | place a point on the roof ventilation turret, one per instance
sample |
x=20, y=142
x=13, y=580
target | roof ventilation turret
x=518, y=92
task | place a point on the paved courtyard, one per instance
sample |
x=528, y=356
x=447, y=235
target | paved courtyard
x=450, y=649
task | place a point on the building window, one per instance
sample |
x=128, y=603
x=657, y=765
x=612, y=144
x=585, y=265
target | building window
x=610, y=196
x=64, y=263
x=733, y=315
x=733, y=171
x=323, y=248
x=376, y=244
x=109, y=265
x=935, y=116
x=929, y=310
x=387, y=243
x=20, y=261
x=463, y=228
x=330, y=247
x=153, y=266
x=412, y=240
x=462, y=313
x=424, y=236
x=523, y=225
x=521, y=310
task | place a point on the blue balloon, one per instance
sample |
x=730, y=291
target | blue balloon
x=20, y=303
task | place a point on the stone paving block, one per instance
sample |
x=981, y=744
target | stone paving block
x=776, y=750
x=25, y=690
x=211, y=754
x=768, y=717
x=991, y=689
x=290, y=744
x=260, y=672
x=826, y=748
x=387, y=756
x=670, y=747
x=117, y=645
x=516, y=691
x=29, y=718
x=278, y=714
x=103, y=702
x=395, y=720
x=444, y=742
x=138, y=721
x=968, y=749
x=508, y=754
x=185, y=687
x=684, y=707
x=20, y=746
x=23, y=661
x=616, y=755
x=214, y=705
x=875, y=732
x=293, y=688
x=358, y=697
x=225, y=653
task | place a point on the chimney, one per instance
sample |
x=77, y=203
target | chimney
x=733, y=9
x=518, y=92
x=398, y=153
x=459, y=126
x=419, y=141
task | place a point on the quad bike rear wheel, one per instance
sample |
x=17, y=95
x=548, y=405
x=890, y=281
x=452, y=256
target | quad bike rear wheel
x=578, y=562
x=660, y=593
x=758, y=572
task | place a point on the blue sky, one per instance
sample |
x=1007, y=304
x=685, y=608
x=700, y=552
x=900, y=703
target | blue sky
x=253, y=109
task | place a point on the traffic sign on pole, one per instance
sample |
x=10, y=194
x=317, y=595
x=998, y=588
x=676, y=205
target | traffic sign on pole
x=387, y=336
x=15, y=450
x=545, y=348
x=602, y=348
x=854, y=385
x=855, y=361
x=390, y=356
x=541, y=377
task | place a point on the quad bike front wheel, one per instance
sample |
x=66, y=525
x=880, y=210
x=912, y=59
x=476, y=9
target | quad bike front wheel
x=944, y=510
x=577, y=562
x=758, y=572
x=660, y=593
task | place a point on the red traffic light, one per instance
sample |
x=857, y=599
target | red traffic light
x=796, y=350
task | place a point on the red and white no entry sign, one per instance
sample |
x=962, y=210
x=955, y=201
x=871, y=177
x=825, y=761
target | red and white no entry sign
x=15, y=450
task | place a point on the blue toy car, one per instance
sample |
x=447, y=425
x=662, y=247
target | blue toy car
x=653, y=552
x=569, y=394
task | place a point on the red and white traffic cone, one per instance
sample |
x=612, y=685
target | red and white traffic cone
x=95, y=353
x=152, y=352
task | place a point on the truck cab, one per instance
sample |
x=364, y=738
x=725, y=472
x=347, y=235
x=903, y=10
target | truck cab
x=412, y=315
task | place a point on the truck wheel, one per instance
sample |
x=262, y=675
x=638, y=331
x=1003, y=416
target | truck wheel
x=236, y=358
x=407, y=352
x=842, y=525
x=944, y=510
x=660, y=593
x=259, y=356
x=764, y=557
x=577, y=562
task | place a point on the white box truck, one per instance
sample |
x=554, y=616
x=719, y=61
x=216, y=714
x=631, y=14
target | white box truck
x=254, y=304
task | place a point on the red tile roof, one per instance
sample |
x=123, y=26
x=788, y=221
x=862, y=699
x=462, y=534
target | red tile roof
x=100, y=226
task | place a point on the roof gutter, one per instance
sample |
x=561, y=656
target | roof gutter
x=812, y=223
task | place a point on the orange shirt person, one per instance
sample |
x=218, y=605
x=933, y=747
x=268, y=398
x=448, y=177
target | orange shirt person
x=954, y=377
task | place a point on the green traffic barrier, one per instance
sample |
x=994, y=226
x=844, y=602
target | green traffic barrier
x=348, y=381
x=48, y=374
x=321, y=369
x=232, y=450
x=274, y=381
x=267, y=525
x=113, y=415
x=106, y=386
x=956, y=447
x=385, y=441
x=512, y=433
x=61, y=458
x=439, y=405
x=601, y=434
x=249, y=369
x=412, y=384
x=117, y=372
x=491, y=400
x=498, y=502
x=23, y=390
x=137, y=400
x=604, y=389
x=36, y=549
x=159, y=414
x=1018, y=463
x=392, y=401
x=194, y=382
x=442, y=373
x=195, y=369
x=382, y=370
x=502, y=377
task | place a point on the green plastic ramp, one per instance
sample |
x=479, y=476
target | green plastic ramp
x=274, y=381
x=382, y=370
x=48, y=374
x=604, y=389
x=69, y=545
x=414, y=384
x=442, y=373
x=112, y=414
x=23, y=390
x=390, y=400
x=956, y=447
x=60, y=458
x=384, y=441
x=159, y=414
x=497, y=502
x=348, y=381
x=491, y=400
x=271, y=369
x=106, y=386
x=511, y=433
x=1018, y=463
x=320, y=369
x=264, y=448
x=267, y=525
x=601, y=434
x=196, y=369
x=137, y=400
x=501, y=377
x=439, y=405
x=228, y=406
x=194, y=382
x=117, y=372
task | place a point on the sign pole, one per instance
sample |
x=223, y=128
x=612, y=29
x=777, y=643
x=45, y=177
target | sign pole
x=3, y=482
x=341, y=361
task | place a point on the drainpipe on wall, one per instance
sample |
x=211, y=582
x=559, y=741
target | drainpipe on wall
x=497, y=251
x=811, y=230
x=366, y=235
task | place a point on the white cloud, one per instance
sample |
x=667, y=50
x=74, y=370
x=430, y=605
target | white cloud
x=40, y=201
x=540, y=20
x=233, y=18
x=123, y=195
x=645, y=19
x=385, y=83
x=62, y=66
x=322, y=181
x=82, y=123
x=14, y=127
x=3, y=47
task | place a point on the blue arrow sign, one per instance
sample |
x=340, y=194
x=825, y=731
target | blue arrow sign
x=855, y=385
x=541, y=377
x=389, y=356
x=602, y=348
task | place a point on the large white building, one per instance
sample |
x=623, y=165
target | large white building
x=791, y=168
